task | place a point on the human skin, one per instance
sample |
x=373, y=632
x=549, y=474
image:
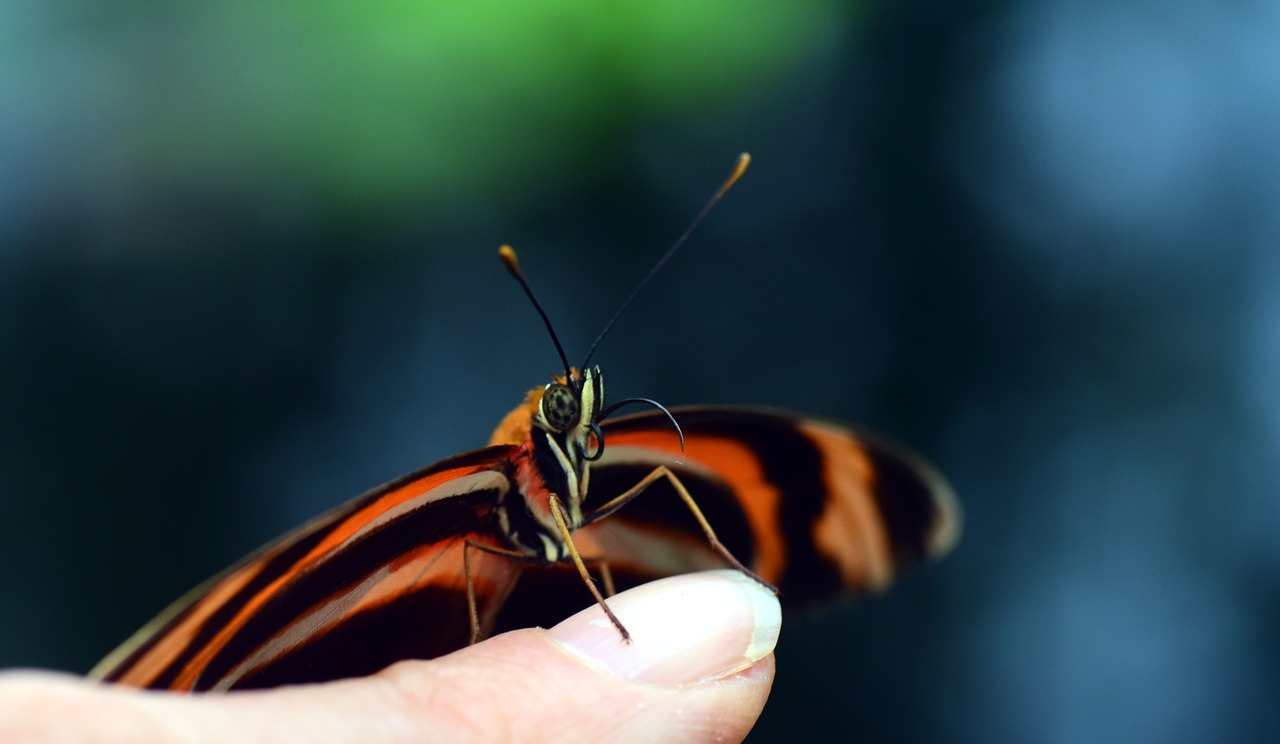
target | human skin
x=699, y=668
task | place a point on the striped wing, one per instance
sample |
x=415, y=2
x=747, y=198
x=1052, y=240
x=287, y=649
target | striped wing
x=817, y=508
x=372, y=582
x=814, y=507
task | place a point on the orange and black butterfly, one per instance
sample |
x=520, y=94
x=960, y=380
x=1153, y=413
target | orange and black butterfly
x=505, y=536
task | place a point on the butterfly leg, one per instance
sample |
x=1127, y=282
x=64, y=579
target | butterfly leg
x=601, y=566
x=606, y=576
x=657, y=474
x=562, y=523
x=513, y=555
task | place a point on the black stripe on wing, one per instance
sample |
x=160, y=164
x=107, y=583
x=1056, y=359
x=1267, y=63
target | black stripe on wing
x=425, y=631
x=909, y=498
x=139, y=662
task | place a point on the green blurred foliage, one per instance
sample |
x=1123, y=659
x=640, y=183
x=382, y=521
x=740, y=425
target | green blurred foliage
x=378, y=106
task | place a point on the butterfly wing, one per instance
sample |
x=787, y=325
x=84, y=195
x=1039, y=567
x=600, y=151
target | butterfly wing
x=815, y=507
x=374, y=581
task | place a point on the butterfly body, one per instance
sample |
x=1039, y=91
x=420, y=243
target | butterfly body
x=550, y=435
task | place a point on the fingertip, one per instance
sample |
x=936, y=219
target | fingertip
x=699, y=668
x=525, y=685
x=684, y=629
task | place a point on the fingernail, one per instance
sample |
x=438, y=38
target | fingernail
x=683, y=629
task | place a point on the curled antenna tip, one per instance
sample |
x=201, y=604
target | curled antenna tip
x=508, y=256
x=738, y=169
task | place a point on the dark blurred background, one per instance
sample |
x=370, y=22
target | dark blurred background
x=247, y=270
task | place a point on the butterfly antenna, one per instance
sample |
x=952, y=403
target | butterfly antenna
x=670, y=417
x=741, y=166
x=508, y=256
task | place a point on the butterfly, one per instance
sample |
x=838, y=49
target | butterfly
x=507, y=536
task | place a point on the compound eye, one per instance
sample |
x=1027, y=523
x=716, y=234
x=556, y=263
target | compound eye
x=560, y=407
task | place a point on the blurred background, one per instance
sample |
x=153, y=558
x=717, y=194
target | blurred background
x=247, y=271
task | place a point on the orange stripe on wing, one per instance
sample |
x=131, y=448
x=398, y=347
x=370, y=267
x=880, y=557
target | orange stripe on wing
x=144, y=671
x=386, y=506
x=727, y=460
x=850, y=533
x=398, y=500
x=439, y=565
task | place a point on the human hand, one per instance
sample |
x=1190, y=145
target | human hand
x=699, y=668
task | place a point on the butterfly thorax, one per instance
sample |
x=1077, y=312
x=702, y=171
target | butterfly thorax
x=552, y=430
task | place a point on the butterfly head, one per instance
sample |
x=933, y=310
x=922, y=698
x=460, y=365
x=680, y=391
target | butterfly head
x=572, y=407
